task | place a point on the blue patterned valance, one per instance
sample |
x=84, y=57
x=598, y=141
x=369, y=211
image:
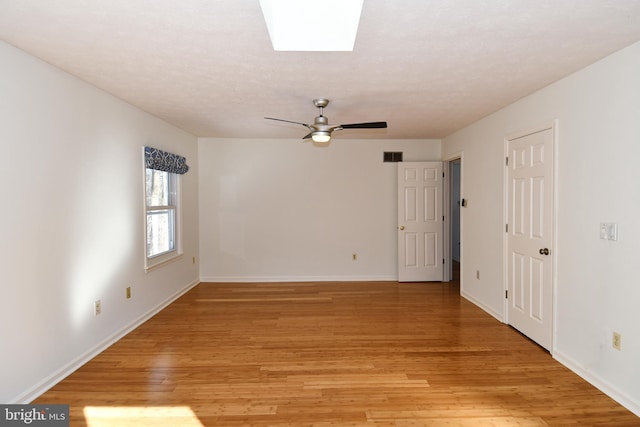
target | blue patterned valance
x=163, y=161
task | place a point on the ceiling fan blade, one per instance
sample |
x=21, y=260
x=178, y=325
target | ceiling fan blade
x=289, y=121
x=307, y=136
x=370, y=125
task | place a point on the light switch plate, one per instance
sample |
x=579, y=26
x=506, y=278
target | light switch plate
x=609, y=231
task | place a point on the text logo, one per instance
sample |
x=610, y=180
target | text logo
x=34, y=415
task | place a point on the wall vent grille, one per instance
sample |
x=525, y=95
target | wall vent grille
x=392, y=156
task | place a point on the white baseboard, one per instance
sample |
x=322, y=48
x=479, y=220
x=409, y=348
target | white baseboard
x=486, y=308
x=608, y=389
x=259, y=279
x=44, y=385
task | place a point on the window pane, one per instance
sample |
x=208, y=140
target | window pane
x=157, y=187
x=160, y=227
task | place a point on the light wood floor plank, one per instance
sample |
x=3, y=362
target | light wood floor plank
x=375, y=354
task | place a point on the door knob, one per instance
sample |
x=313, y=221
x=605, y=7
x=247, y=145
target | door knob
x=402, y=227
x=544, y=251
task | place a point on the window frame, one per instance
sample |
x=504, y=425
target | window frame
x=175, y=190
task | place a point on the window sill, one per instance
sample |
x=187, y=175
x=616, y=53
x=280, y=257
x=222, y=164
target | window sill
x=161, y=261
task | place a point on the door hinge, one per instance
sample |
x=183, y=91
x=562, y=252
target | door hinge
x=443, y=260
x=506, y=228
x=506, y=161
x=506, y=294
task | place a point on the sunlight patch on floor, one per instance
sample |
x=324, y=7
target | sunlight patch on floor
x=123, y=416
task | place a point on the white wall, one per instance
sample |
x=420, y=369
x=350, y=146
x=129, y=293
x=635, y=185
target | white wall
x=598, y=147
x=287, y=210
x=72, y=222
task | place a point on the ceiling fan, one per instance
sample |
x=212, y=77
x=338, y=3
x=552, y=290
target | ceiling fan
x=321, y=129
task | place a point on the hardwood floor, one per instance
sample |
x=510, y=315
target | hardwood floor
x=329, y=354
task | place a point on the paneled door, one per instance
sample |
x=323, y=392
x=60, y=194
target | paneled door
x=530, y=235
x=420, y=222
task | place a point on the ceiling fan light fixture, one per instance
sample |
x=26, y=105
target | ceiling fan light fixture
x=321, y=136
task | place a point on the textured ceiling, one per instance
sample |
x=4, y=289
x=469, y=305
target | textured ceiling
x=427, y=67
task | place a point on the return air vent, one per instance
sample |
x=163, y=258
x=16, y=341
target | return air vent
x=392, y=156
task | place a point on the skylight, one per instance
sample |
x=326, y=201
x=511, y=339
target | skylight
x=312, y=25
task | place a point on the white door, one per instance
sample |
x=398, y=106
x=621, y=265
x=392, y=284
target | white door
x=420, y=222
x=530, y=235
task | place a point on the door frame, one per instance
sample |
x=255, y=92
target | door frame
x=448, y=264
x=553, y=125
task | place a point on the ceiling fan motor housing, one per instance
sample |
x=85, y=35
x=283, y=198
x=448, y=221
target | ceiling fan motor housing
x=321, y=120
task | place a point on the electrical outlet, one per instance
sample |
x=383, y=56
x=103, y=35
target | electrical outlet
x=97, y=308
x=354, y=257
x=128, y=292
x=617, y=341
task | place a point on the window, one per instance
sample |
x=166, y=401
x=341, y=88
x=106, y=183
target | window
x=162, y=205
x=161, y=195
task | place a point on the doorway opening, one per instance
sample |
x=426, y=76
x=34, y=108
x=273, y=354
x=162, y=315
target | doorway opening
x=453, y=228
x=454, y=180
